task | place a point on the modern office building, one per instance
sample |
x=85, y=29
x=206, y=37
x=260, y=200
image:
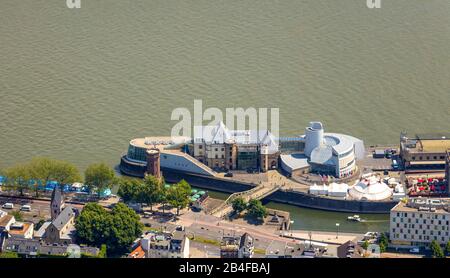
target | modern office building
x=424, y=151
x=325, y=153
x=420, y=221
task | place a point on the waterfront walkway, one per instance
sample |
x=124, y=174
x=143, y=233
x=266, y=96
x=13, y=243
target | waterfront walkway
x=274, y=182
x=322, y=237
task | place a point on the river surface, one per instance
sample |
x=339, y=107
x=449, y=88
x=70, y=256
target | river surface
x=319, y=220
x=79, y=84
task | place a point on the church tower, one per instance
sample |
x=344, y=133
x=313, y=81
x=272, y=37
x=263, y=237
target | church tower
x=57, y=203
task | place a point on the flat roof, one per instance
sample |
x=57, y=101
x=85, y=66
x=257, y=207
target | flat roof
x=23, y=228
x=5, y=220
x=403, y=207
x=433, y=136
x=160, y=142
x=432, y=162
x=295, y=161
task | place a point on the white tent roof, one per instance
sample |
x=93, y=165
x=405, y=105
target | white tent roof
x=338, y=187
x=371, y=189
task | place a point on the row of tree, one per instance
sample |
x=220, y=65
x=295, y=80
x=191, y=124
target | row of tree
x=41, y=170
x=151, y=191
x=437, y=251
x=254, y=208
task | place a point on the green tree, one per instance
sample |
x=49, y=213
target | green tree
x=99, y=176
x=18, y=177
x=365, y=245
x=125, y=228
x=128, y=189
x=384, y=242
x=93, y=224
x=447, y=248
x=8, y=255
x=103, y=251
x=17, y=215
x=116, y=229
x=238, y=205
x=178, y=195
x=64, y=172
x=152, y=192
x=436, y=250
x=43, y=170
x=256, y=209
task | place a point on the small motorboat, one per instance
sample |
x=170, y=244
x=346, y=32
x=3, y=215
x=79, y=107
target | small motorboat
x=355, y=218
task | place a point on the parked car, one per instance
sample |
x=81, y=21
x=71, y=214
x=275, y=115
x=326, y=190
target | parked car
x=229, y=174
x=414, y=250
x=25, y=208
x=8, y=206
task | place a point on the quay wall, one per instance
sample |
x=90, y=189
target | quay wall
x=295, y=198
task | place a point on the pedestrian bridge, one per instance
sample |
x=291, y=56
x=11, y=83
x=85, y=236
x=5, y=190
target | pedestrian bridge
x=258, y=192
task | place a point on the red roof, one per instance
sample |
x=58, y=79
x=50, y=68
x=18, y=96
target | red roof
x=137, y=253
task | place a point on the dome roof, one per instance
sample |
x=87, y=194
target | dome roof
x=371, y=189
x=322, y=155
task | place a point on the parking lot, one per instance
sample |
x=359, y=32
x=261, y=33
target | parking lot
x=39, y=209
x=369, y=163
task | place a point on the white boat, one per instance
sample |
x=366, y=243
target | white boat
x=355, y=218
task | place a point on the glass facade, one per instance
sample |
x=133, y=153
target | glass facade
x=137, y=153
x=247, y=160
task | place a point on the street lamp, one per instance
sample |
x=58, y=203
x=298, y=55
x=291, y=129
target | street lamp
x=337, y=230
x=310, y=239
x=290, y=226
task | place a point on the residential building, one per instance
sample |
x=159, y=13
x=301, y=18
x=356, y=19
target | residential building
x=137, y=253
x=162, y=245
x=420, y=221
x=447, y=170
x=21, y=230
x=280, y=249
x=237, y=246
x=350, y=249
x=35, y=247
x=6, y=221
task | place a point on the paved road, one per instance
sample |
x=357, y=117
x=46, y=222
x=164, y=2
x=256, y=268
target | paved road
x=39, y=209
